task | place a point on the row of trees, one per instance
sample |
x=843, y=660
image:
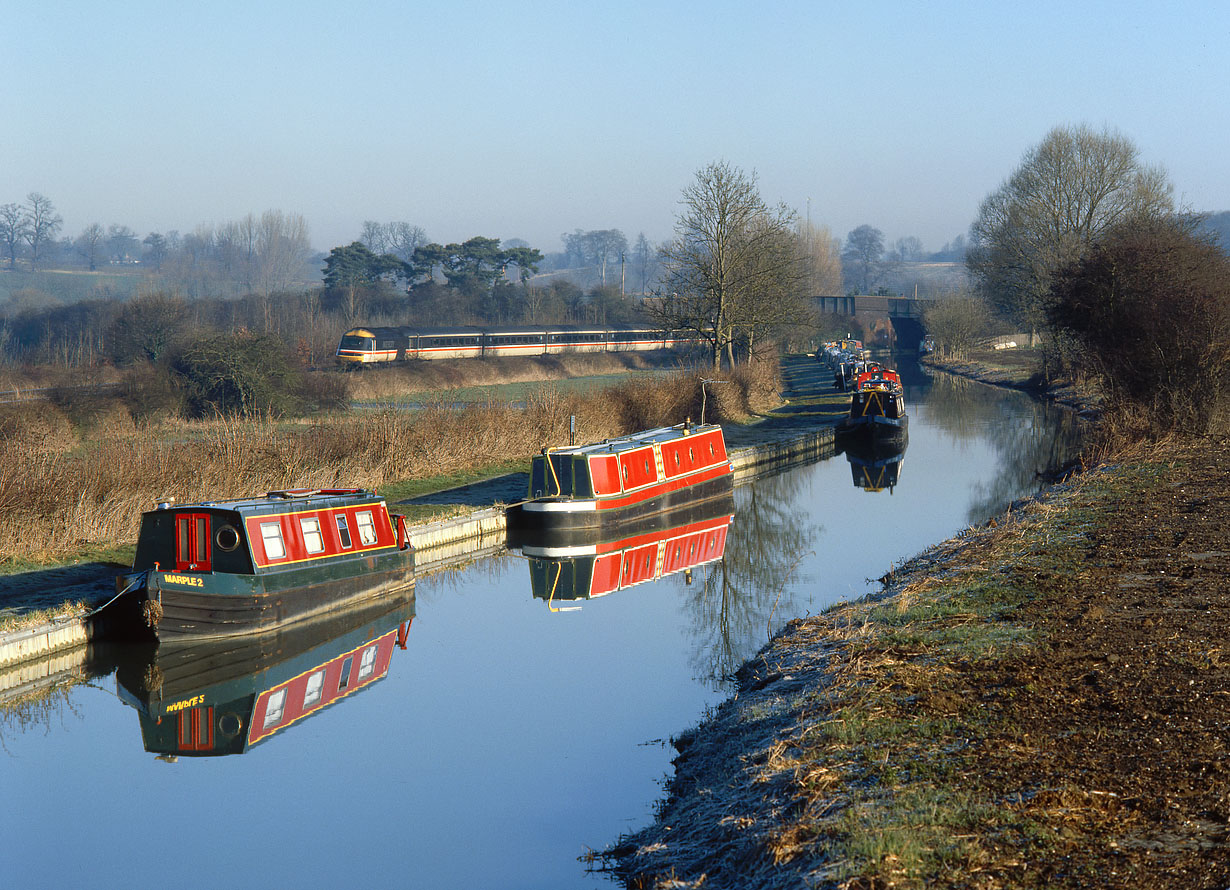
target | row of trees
x=1083, y=243
x=29, y=229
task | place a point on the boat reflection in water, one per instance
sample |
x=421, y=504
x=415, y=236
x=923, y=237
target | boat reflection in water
x=222, y=696
x=568, y=569
x=876, y=465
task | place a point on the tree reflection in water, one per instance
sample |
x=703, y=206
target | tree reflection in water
x=736, y=603
x=1032, y=438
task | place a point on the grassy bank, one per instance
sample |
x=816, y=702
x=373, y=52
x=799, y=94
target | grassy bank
x=1036, y=703
x=77, y=478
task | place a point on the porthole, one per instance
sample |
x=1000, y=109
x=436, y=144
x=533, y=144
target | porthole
x=230, y=725
x=227, y=538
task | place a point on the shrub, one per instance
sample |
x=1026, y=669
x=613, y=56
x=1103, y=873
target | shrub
x=1149, y=306
x=235, y=375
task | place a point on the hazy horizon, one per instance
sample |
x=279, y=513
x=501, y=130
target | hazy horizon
x=540, y=118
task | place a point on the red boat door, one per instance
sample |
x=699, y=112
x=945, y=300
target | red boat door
x=192, y=542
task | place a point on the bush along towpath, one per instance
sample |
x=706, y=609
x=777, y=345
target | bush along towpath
x=1043, y=701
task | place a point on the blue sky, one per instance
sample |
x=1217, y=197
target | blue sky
x=526, y=120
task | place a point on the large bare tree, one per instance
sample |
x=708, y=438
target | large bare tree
x=732, y=269
x=12, y=230
x=1070, y=188
x=42, y=225
x=822, y=255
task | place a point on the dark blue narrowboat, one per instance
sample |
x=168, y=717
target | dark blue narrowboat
x=254, y=564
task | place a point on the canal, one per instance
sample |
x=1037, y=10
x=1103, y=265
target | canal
x=522, y=726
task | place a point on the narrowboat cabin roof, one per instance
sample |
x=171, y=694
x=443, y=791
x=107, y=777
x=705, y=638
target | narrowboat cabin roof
x=277, y=501
x=637, y=440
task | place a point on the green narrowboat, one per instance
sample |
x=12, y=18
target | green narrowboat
x=253, y=564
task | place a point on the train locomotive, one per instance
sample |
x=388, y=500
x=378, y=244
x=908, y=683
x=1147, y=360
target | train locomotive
x=391, y=344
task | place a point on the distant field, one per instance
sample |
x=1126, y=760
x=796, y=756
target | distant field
x=73, y=285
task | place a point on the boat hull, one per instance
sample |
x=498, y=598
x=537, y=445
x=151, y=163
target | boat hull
x=172, y=605
x=877, y=428
x=570, y=515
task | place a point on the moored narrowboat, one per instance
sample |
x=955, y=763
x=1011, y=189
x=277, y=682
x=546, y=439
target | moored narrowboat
x=250, y=565
x=619, y=481
x=877, y=407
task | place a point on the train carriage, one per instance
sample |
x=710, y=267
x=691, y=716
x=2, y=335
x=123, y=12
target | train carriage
x=371, y=344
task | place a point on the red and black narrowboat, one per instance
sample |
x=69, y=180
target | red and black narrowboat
x=618, y=481
x=877, y=407
x=579, y=571
x=210, y=697
x=253, y=564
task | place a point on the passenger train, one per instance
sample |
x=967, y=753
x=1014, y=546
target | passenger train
x=388, y=344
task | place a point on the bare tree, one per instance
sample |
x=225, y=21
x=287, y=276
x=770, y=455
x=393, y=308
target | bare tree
x=726, y=260
x=863, y=258
x=603, y=246
x=42, y=225
x=822, y=254
x=12, y=230
x=121, y=242
x=282, y=247
x=88, y=244
x=1068, y=190
x=404, y=239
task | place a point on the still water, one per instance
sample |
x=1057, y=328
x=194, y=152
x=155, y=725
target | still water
x=515, y=732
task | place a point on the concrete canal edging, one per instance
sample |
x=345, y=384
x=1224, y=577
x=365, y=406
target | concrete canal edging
x=444, y=543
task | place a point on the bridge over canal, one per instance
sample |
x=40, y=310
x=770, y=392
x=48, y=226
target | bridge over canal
x=886, y=320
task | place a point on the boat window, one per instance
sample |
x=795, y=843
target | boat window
x=367, y=664
x=344, y=680
x=271, y=534
x=227, y=538
x=313, y=540
x=275, y=708
x=343, y=530
x=367, y=528
x=315, y=685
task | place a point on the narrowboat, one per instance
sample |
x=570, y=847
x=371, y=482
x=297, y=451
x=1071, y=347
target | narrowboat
x=253, y=564
x=213, y=697
x=877, y=407
x=612, y=483
x=680, y=542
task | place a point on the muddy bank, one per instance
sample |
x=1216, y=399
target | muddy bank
x=1040, y=702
